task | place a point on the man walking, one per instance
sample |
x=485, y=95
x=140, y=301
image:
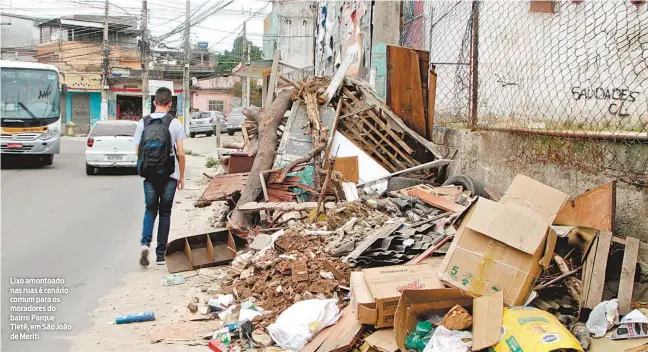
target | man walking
x=161, y=161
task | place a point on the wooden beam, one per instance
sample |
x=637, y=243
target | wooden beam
x=594, y=271
x=626, y=283
x=436, y=201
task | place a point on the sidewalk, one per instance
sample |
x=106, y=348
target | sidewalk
x=142, y=290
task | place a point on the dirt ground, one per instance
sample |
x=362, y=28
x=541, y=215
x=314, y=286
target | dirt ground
x=143, y=291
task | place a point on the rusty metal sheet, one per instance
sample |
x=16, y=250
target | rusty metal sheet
x=222, y=187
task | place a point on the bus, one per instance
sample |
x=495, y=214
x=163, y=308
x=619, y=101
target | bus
x=30, y=110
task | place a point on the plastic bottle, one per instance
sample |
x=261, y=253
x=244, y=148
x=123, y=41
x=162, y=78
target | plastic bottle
x=135, y=318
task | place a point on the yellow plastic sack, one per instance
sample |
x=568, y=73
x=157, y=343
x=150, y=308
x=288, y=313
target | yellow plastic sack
x=526, y=329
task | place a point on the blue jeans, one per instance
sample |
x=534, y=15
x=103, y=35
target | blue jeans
x=158, y=195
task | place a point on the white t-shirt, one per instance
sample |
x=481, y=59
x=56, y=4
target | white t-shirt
x=177, y=134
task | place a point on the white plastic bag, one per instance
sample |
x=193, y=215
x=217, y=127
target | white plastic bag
x=296, y=325
x=444, y=340
x=603, y=318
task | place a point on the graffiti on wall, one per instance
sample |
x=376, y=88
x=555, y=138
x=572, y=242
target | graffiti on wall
x=413, y=28
x=619, y=97
x=343, y=28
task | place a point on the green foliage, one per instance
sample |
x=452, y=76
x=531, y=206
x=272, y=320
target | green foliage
x=228, y=60
x=211, y=162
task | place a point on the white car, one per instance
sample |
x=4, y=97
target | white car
x=110, y=144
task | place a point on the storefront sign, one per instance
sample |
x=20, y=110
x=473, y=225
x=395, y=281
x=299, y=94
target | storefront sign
x=154, y=85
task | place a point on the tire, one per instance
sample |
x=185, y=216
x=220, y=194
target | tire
x=192, y=135
x=209, y=134
x=90, y=170
x=47, y=160
x=475, y=187
x=230, y=132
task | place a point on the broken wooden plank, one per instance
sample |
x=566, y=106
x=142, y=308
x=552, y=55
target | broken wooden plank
x=594, y=271
x=626, y=283
x=594, y=208
x=338, y=78
x=436, y=201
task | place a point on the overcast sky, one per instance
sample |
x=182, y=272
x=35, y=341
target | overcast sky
x=164, y=15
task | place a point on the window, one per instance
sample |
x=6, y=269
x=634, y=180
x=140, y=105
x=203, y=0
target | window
x=216, y=105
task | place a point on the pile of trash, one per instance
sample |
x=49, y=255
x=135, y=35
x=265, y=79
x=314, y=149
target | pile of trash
x=344, y=231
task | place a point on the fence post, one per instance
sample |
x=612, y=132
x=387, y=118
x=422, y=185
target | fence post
x=474, y=65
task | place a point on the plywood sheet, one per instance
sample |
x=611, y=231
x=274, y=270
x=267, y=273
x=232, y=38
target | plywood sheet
x=348, y=167
x=594, y=208
x=404, y=91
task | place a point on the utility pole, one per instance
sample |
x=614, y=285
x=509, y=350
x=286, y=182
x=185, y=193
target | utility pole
x=146, y=96
x=105, y=68
x=245, y=86
x=187, y=60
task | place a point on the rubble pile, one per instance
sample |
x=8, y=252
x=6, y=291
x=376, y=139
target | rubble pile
x=298, y=269
x=353, y=226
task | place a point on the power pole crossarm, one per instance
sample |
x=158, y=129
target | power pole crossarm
x=146, y=100
x=105, y=67
x=186, y=94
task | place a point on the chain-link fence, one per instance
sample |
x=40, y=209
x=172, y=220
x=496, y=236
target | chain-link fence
x=568, y=79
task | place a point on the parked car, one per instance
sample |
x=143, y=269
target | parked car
x=110, y=144
x=234, y=121
x=204, y=122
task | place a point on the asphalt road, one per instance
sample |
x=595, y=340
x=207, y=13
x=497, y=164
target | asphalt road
x=57, y=222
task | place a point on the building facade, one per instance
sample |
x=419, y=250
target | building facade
x=20, y=37
x=214, y=94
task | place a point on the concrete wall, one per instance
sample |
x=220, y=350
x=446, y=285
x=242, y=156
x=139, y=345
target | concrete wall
x=18, y=37
x=200, y=100
x=491, y=157
x=296, y=31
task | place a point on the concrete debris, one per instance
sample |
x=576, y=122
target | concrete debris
x=457, y=318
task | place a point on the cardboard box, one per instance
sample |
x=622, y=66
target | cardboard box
x=486, y=311
x=501, y=247
x=375, y=292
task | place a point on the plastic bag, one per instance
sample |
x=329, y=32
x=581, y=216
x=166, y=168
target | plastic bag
x=444, y=340
x=603, y=318
x=296, y=325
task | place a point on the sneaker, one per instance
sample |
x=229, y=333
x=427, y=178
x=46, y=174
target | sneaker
x=159, y=260
x=144, y=258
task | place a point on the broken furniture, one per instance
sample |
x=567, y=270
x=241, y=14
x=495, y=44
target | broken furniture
x=200, y=251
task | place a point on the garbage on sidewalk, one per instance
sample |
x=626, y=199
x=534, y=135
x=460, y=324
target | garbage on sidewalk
x=344, y=208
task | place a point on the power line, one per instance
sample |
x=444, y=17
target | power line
x=241, y=26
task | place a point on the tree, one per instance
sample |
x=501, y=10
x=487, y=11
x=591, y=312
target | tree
x=228, y=60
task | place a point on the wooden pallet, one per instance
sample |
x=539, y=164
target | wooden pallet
x=596, y=265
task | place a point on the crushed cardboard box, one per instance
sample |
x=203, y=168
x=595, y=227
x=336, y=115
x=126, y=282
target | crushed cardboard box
x=502, y=246
x=486, y=312
x=375, y=292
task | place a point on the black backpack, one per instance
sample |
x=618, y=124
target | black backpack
x=154, y=159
